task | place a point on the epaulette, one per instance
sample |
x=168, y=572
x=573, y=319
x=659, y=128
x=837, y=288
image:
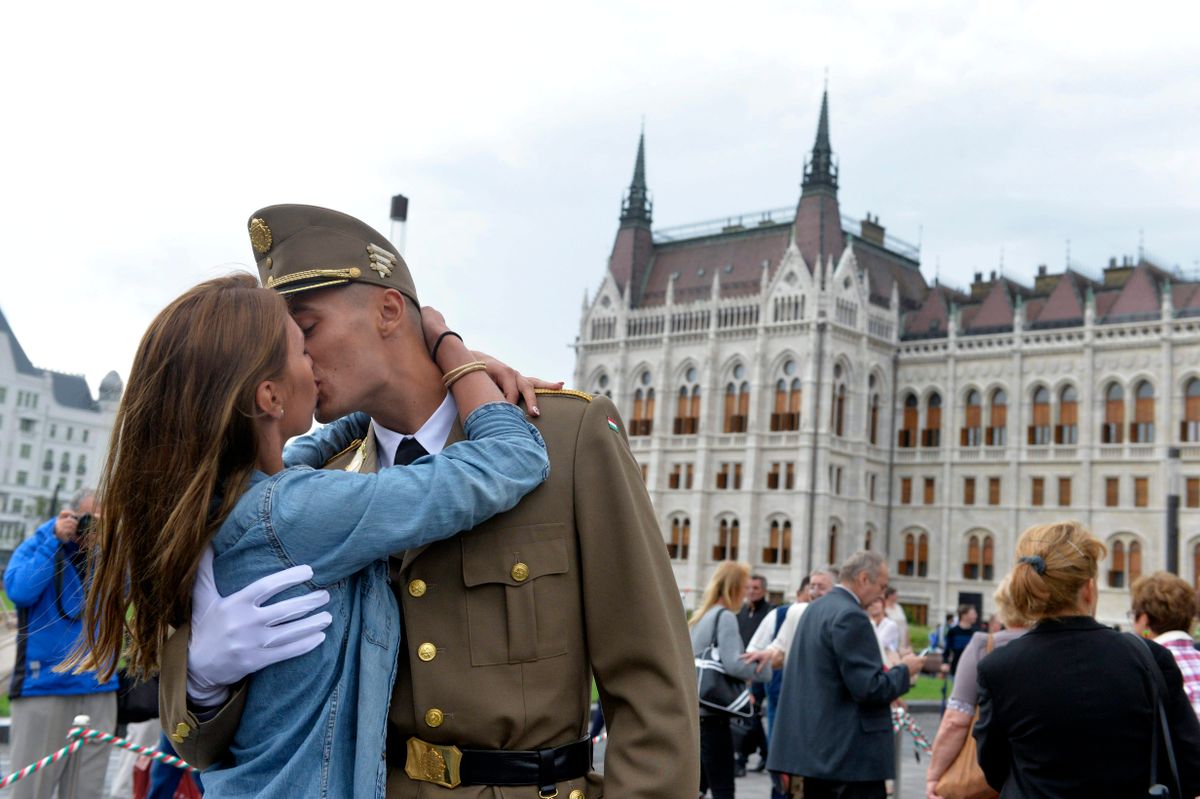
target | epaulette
x=355, y=443
x=566, y=392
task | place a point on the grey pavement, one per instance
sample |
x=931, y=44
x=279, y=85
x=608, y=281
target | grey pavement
x=911, y=784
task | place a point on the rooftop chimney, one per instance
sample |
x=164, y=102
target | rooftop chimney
x=871, y=230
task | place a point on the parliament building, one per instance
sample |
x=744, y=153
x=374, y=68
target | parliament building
x=795, y=389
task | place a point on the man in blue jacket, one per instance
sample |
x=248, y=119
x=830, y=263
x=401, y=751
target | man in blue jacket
x=45, y=581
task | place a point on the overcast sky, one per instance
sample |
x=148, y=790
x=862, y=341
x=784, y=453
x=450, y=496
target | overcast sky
x=137, y=139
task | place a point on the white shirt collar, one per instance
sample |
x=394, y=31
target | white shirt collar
x=432, y=434
x=1173, y=635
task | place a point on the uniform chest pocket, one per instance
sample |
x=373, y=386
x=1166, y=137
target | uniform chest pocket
x=515, y=579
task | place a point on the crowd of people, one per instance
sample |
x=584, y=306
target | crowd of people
x=1046, y=700
x=417, y=597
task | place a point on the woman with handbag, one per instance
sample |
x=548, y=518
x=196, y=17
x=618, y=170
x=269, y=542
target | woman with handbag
x=717, y=645
x=954, y=771
x=1074, y=708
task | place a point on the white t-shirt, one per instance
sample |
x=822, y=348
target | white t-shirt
x=888, y=635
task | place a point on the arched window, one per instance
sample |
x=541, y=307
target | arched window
x=681, y=534
x=833, y=543
x=979, y=563
x=737, y=403
x=726, y=547
x=932, y=435
x=786, y=413
x=873, y=419
x=1067, y=430
x=1114, y=415
x=908, y=432
x=996, y=434
x=1142, y=429
x=1039, y=429
x=601, y=387
x=1125, y=561
x=972, y=431
x=779, y=543
x=1190, y=427
x=915, y=561
x=839, y=410
x=1196, y=565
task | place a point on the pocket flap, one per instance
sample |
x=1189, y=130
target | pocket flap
x=490, y=557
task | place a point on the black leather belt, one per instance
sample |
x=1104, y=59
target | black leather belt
x=450, y=766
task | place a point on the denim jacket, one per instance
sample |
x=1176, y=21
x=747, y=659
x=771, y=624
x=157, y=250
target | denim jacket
x=315, y=725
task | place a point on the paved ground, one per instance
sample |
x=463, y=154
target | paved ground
x=912, y=773
x=753, y=786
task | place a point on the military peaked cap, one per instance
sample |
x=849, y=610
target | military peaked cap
x=303, y=247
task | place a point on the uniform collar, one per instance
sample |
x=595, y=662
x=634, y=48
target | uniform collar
x=432, y=434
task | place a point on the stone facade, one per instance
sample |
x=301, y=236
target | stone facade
x=53, y=433
x=805, y=393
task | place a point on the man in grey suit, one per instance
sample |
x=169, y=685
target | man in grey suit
x=834, y=725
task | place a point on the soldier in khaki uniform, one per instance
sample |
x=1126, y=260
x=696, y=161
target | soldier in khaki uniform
x=505, y=625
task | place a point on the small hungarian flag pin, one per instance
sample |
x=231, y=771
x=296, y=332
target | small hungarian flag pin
x=613, y=424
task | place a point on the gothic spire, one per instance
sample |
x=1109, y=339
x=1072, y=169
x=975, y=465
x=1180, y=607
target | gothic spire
x=821, y=171
x=637, y=207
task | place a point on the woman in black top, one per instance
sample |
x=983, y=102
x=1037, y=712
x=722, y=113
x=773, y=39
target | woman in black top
x=1067, y=709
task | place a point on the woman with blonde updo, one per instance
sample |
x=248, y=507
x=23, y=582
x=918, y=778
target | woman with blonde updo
x=716, y=620
x=1066, y=710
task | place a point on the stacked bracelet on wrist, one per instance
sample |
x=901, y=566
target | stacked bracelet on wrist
x=456, y=374
x=438, y=343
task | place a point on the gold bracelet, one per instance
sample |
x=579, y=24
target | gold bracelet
x=454, y=375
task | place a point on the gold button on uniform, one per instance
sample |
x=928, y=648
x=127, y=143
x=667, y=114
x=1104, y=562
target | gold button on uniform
x=576, y=794
x=520, y=572
x=427, y=652
x=434, y=717
x=416, y=588
x=182, y=730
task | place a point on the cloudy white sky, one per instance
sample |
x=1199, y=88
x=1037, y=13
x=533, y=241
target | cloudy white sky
x=137, y=139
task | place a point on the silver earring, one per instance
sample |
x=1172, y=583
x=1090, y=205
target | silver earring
x=281, y=413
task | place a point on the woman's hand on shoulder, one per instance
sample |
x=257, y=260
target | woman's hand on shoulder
x=514, y=385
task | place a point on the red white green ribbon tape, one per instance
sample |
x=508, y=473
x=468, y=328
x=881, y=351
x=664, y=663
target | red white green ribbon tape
x=902, y=719
x=80, y=735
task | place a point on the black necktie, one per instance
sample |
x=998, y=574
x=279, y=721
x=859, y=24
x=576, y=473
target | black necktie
x=409, y=450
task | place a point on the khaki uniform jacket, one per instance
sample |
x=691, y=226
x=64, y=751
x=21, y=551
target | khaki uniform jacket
x=521, y=612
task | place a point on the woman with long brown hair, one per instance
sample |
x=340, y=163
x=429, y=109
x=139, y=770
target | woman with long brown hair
x=219, y=383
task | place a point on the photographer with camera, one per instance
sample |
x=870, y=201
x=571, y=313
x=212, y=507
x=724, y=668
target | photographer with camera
x=45, y=579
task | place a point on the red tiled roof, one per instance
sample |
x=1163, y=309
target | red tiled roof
x=1138, y=296
x=698, y=260
x=884, y=271
x=1063, y=304
x=933, y=315
x=1104, y=301
x=818, y=217
x=995, y=311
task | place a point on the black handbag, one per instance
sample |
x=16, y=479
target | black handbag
x=1158, y=688
x=717, y=689
x=136, y=701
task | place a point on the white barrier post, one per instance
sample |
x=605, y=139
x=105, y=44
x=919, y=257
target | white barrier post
x=70, y=779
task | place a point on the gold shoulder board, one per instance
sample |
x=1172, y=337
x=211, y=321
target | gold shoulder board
x=566, y=392
x=355, y=443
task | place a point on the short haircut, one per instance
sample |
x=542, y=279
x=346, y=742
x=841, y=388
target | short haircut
x=804, y=583
x=865, y=560
x=760, y=578
x=80, y=496
x=963, y=610
x=1168, y=602
x=830, y=571
x=890, y=592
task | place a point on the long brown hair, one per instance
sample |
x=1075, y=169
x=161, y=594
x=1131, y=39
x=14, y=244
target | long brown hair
x=184, y=444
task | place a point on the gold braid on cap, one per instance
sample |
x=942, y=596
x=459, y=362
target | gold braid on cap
x=382, y=261
x=308, y=274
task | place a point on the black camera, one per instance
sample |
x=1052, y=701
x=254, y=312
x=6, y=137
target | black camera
x=83, y=525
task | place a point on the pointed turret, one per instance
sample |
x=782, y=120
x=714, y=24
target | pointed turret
x=636, y=208
x=821, y=171
x=818, y=228
x=634, y=247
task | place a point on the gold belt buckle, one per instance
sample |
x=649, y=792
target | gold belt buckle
x=434, y=763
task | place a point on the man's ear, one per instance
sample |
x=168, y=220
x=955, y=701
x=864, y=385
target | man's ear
x=391, y=310
x=267, y=400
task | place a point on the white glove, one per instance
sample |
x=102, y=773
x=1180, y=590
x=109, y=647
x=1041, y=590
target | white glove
x=238, y=635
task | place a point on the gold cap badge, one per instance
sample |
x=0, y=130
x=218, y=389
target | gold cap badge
x=260, y=235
